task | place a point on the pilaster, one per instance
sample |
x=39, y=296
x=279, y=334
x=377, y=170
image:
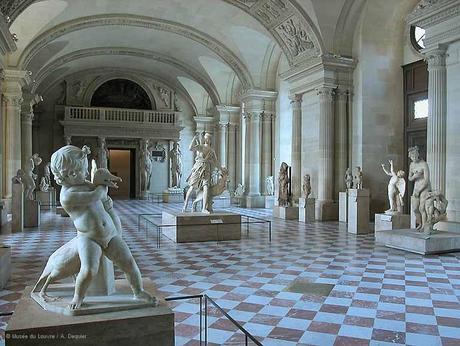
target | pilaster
x=296, y=147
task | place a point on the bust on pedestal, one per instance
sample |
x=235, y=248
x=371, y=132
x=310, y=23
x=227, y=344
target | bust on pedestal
x=343, y=197
x=306, y=204
x=358, y=206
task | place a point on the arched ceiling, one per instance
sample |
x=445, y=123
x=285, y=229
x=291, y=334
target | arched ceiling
x=221, y=45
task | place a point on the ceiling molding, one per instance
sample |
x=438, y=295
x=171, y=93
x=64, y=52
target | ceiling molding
x=141, y=53
x=62, y=29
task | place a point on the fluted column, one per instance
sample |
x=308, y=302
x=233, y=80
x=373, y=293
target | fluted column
x=296, y=147
x=223, y=144
x=267, y=155
x=247, y=144
x=326, y=153
x=27, y=117
x=254, y=155
x=341, y=141
x=436, y=136
x=232, y=156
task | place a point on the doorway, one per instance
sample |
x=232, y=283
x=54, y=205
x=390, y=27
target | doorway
x=121, y=163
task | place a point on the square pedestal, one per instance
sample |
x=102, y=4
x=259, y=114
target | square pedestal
x=17, y=208
x=197, y=227
x=286, y=213
x=31, y=325
x=269, y=202
x=255, y=202
x=358, y=211
x=343, y=207
x=385, y=222
x=173, y=196
x=307, y=209
x=5, y=265
x=449, y=226
x=47, y=199
x=3, y=214
x=31, y=213
x=326, y=210
x=414, y=241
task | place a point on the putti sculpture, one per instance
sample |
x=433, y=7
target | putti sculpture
x=396, y=189
x=200, y=178
x=28, y=179
x=98, y=227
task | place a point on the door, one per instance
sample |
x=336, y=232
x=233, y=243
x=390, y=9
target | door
x=121, y=164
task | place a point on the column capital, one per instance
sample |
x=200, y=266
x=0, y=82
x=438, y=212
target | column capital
x=342, y=94
x=325, y=93
x=223, y=125
x=14, y=100
x=436, y=57
x=27, y=117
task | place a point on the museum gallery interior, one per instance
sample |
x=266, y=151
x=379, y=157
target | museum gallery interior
x=230, y=172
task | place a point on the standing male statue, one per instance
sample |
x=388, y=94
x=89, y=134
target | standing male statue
x=146, y=165
x=175, y=157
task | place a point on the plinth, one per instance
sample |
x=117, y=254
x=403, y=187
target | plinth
x=173, y=195
x=197, y=227
x=385, y=222
x=358, y=211
x=269, y=202
x=31, y=213
x=343, y=206
x=286, y=213
x=306, y=209
x=31, y=325
x=5, y=265
x=47, y=199
x=17, y=208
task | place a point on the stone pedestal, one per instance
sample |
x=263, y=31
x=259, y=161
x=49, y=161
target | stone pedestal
x=3, y=214
x=449, y=226
x=31, y=213
x=137, y=327
x=61, y=211
x=306, y=209
x=221, y=201
x=197, y=227
x=255, y=202
x=343, y=206
x=385, y=222
x=17, y=208
x=269, y=202
x=414, y=241
x=286, y=213
x=173, y=196
x=413, y=220
x=358, y=211
x=5, y=265
x=47, y=199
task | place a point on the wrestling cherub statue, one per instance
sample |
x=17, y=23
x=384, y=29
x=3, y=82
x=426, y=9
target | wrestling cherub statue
x=396, y=189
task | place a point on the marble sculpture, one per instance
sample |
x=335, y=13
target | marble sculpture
x=284, y=198
x=200, y=178
x=146, y=165
x=239, y=191
x=175, y=157
x=98, y=227
x=348, y=179
x=396, y=189
x=269, y=185
x=28, y=178
x=306, y=186
x=45, y=182
x=428, y=206
x=358, y=181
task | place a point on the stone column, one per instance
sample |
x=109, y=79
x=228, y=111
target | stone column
x=296, y=148
x=253, y=142
x=267, y=154
x=436, y=136
x=27, y=117
x=341, y=141
x=223, y=144
x=325, y=210
x=232, y=156
x=247, y=130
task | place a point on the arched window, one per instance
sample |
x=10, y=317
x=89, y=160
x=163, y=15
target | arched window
x=417, y=35
x=121, y=93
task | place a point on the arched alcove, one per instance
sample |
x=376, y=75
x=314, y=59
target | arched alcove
x=121, y=93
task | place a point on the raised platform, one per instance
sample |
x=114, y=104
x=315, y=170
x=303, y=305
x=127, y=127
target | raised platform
x=358, y=211
x=343, y=206
x=385, y=222
x=197, y=227
x=31, y=325
x=414, y=241
x=5, y=265
x=269, y=202
x=31, y=213
x=286, y=213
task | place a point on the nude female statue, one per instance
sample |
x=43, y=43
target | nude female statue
x=419, y=173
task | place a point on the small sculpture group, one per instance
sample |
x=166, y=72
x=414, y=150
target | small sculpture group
x=356, y=181
x=29, y=177
x=396, y=189
x=284, y=184
x=200, y=178
x=428, y=206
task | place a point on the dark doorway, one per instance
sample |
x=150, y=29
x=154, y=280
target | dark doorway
x=122, y=163
x=121, y=93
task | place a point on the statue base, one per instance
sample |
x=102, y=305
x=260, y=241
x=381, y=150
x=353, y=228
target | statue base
x=3, y=213
x=388, y=222
x=415, y=241
x=61, y=211
x=221, y=201
x=326, y=210
x=5, y=265
x=198, y=227
x=306, y=209
x=450, y=226
x=343, y=206
x=31, y=213
x=146, y=325
x=269, y=202
x=358, y=211
x=17, y=208
x=286, y=213
x=47, y=199
x=173, y=196
x=255, y=202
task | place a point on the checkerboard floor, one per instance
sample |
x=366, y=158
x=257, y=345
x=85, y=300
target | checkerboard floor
x=381, y=296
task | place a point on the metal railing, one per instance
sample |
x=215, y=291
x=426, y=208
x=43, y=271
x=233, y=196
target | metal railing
x=119, y=115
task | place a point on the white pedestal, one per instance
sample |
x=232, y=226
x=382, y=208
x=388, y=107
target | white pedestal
x=358, y=211
x=197, y=227
x=3, y=214
x=135, y=327
x=385, y=222
x=255, y=202
x=414, y=241
x=173, y=196
x=450, y=226
x=286, y=213
x=47, y=199
x=5, y=265
x=31, y=213
x=17, y=208
x=269, y=202
x=343, y=206
x=306, y=209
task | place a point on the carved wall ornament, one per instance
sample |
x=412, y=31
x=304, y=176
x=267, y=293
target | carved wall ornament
x=165, y=96
x=296, y=37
